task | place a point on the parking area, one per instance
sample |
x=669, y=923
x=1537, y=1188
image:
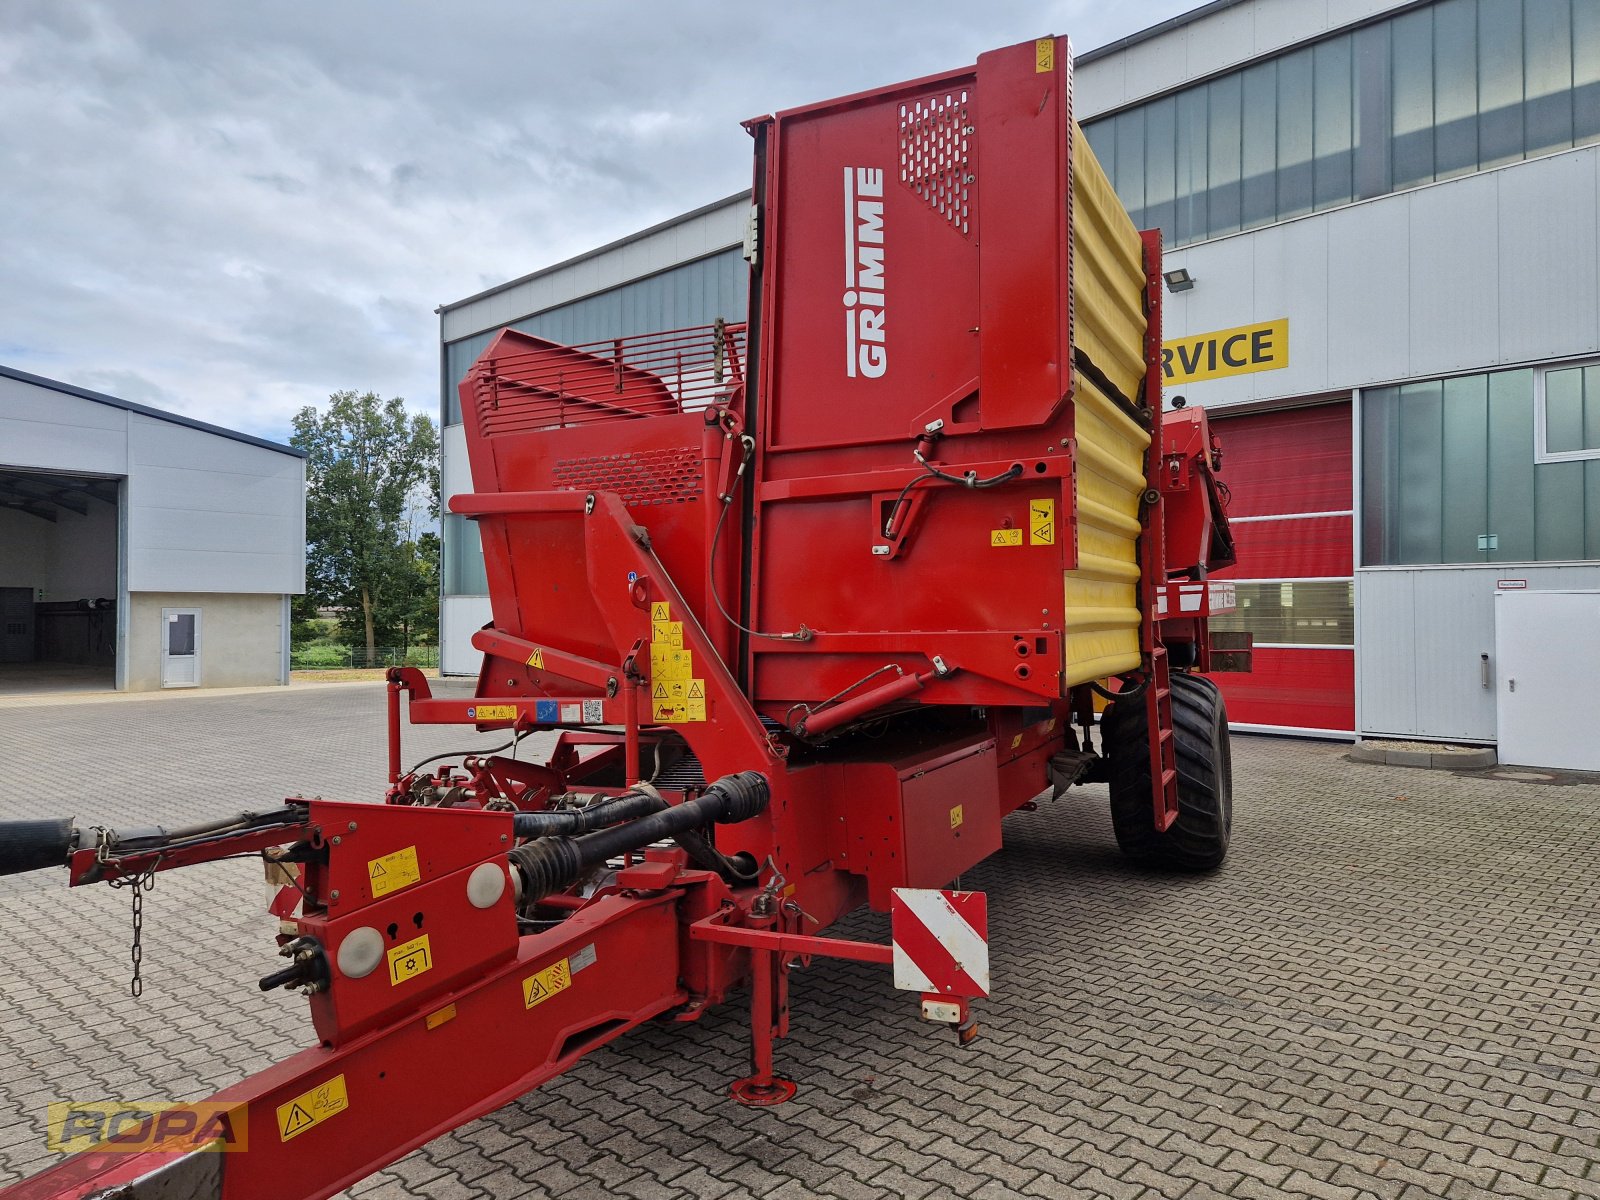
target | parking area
x=1391, y=989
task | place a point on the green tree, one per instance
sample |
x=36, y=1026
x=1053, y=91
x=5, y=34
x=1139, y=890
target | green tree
x=370, y=467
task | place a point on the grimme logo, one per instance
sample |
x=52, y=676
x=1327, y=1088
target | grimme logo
x=76, y=1125
x=863, y=273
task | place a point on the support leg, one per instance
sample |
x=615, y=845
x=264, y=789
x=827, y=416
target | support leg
x=768, y=1016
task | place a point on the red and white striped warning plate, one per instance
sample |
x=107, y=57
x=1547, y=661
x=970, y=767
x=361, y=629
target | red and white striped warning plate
x=941, y=941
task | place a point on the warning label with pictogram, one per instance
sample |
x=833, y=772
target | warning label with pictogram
x=941, y=940
x=660, y=610
x=1005, y=537
x=536, y=659
x=667, y=633
x=539, y=987
x=393, y=872
x=410, y=959
x=1041, y=522
x=667, y=662
x=310, y=1109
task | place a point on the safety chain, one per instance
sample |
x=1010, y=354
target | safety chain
x=143, y=882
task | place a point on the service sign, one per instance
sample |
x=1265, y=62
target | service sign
x=1239, y=351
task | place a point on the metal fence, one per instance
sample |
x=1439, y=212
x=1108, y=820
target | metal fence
x=344, y=658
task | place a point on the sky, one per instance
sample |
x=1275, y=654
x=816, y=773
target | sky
x=230, y=210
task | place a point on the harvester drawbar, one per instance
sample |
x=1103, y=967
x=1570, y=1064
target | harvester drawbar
x=809, y=606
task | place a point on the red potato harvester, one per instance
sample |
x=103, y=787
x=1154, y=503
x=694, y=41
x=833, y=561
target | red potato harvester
x=812, y=603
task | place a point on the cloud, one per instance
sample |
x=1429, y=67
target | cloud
x=231, y=211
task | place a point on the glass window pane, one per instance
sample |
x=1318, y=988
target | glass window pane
x=1558, y=491
x=1306, y=612
x=1563, y=411
x=1466, y=467
x=1547, y=37
x=1334, y=123
x=463, y=557
x=1591, y=407
x=1160, y=164
x=1412, y=149
x=1190, y=224
x=1511, y=466
x=1223, y=99
x=180, y=635
x=1258, y=146
x=1499, y=82
x=1585, y=71
x=1102, y=137
x=1129, y=179
x=1373, y=119
x=1421, y=507
x=1591, y=509
x=1294, y=134
x=1455, y=87
x=1380, y=480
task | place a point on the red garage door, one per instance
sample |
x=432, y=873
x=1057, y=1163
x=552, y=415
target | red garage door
x=1289, y=472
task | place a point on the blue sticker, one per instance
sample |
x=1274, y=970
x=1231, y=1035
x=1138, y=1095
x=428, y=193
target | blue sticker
x=546, y=711
x=633, y=577
x=472, y=714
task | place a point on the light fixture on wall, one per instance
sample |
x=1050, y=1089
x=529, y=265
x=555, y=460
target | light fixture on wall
x=1179, y=280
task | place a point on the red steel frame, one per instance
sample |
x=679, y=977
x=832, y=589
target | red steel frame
x=632, y=496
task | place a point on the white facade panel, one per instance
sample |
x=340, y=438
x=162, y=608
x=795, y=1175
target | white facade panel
x=208, y=514
x=1409, y=286
x=1549, y=270
x=1420, y=637
x=1455, y=276
x=459, y=618
x=55, y=431
x=455, y=472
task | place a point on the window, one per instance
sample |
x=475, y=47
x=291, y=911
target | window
x=1435, y=92
x=1450, y=473
x=1294, y=612
x=1567, y=412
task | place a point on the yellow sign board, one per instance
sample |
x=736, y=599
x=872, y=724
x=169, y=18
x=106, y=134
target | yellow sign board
x=1005, y=537
x=310, y=1109
x=539, y=987
x=536, y=659
x=409, y=959
x=494, y=712
x=1044, y=55
x=1237, y=351
x=393, y=872
x=1041, y=522
x=669, y=663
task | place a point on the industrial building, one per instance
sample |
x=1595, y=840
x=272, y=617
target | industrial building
x=140, y=549
x=1383, y=254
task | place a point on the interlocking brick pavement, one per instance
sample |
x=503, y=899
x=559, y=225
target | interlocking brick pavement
x=1390, y=990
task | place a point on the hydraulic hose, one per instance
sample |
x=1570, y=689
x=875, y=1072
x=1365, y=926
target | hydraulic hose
x=34, y=845
x=550, y=864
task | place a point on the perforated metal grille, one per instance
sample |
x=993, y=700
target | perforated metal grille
x=644, y=477
x=935, y=140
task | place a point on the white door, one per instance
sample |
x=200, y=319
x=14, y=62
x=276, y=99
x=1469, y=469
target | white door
x=1547, y=650
x=180, y=647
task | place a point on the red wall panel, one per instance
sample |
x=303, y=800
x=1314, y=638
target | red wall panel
x=1287, y=462
x=1305, y=689
x=1292, y=549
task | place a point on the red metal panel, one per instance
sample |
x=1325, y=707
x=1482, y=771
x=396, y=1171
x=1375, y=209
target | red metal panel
x=1301, y=689
x=1296, y=460
x=1292, y=549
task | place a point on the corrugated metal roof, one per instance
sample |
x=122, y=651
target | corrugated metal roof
x=55, y=385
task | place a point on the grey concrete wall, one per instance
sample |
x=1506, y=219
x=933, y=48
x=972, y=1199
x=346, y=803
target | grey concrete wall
x=241, y=638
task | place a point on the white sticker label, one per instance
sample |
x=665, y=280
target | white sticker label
x=594, y=712
x=583, y=958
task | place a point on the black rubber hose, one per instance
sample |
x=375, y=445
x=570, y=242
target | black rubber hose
x=34, y=845
x=585, y=820
x=550, y=864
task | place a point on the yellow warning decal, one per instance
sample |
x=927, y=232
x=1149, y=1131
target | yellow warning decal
x=1041, y=522
x=1005, y=537
x=536, y=659
x=1016, y=742
x=393, y=872
x=956, y=817
x=310, y=1109
x=410, y=959
x=660, y=610
x=669, y=663
x=495, y=712
x=667, y=633
x=1044, y=55
x=676, y=701
x=539, y=987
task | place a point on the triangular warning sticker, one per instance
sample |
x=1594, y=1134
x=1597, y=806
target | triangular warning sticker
x=377, y=869
x=298, y=1119
x=535, y=991
x=696, y=692
x=661, y=691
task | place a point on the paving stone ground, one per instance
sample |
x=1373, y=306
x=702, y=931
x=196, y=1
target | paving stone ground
x=1391, y=989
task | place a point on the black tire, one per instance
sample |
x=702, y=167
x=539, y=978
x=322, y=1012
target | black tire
x=1198, y=839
